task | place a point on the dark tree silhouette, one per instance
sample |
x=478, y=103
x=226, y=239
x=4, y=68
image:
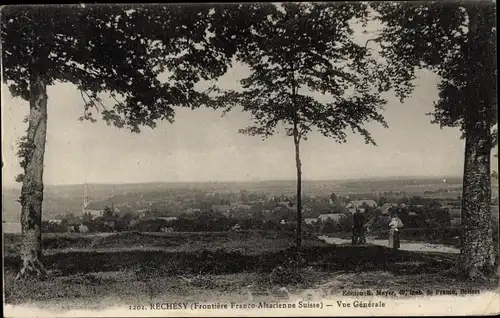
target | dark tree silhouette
x=118, y=52
x=299, y=52
x=457, y=40
x=108, y=212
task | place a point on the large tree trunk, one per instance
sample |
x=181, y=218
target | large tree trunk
x=298, y=164
x=32, y=189
x=477, y=255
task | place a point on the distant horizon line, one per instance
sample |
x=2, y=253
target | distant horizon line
x=247, y=181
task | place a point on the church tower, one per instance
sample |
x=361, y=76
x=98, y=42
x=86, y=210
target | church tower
x=85, y=197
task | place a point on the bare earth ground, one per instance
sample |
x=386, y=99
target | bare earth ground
x=405, y=245
x=192, y=267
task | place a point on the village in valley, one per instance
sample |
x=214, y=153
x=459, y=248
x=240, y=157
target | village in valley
x=136, y=229
x=263, y=155
x=201, y=209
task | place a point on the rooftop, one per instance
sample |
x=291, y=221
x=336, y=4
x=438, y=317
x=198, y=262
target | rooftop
x=359, y=203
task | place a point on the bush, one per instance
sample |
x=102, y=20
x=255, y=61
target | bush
x=380, y=223
x=148, y=226
x=207, y=221
x=345, y=223
x=63, y=242
x=290, y=272
x=50, y=227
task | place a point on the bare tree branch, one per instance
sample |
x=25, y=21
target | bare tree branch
x=377, y=39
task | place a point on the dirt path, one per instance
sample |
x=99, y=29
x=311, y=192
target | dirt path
x=405, y=245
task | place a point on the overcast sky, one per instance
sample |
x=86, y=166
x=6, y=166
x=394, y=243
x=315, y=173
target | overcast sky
x=203, y=146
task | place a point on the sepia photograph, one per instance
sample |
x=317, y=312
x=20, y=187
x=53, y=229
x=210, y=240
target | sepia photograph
x=250, y=159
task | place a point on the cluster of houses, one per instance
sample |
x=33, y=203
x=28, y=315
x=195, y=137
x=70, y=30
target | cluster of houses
x=93, y=210
x=352, y=207
x=245, y=208
x=384, y=211
x=97, y=210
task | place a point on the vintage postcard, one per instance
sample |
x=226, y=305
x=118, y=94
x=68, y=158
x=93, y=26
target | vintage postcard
x=253, y=159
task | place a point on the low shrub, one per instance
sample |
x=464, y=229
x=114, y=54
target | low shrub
x=63, y=242
x=289, y=272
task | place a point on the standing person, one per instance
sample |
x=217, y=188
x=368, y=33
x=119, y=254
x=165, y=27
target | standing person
x=394, y=234
x=358, y=227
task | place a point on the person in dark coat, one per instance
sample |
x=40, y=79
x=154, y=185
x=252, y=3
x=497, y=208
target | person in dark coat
x=358, y=228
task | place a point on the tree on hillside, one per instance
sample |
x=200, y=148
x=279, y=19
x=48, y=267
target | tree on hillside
x=87, y=217
x=457, y=40
x=381, y=201
x=307, y=73
x=108, y=212
x=106, y=51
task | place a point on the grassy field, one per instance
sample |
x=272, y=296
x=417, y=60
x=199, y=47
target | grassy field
x=89, y=271
x=247, y=242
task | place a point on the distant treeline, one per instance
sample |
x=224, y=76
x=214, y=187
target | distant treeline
x=401, y=182
x=420, y=212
